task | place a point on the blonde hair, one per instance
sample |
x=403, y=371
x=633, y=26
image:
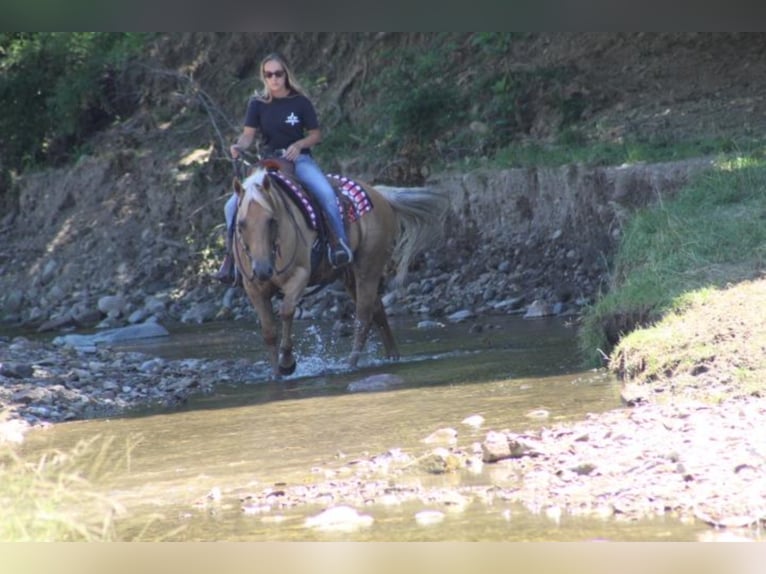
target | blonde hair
x=290, y=82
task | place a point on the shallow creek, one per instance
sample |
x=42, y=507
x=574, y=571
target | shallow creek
x=193, y=465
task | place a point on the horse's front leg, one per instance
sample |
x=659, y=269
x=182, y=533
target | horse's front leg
x=293, y=290
x=262, y=305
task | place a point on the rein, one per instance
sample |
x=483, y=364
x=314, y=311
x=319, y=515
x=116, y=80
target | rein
x=298, y=232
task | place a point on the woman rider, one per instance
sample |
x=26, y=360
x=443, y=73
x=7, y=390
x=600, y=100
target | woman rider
x=287, y=123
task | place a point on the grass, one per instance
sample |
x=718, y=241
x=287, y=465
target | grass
x=574, y=148
x=678, y=261
x=52, y=498
x=712, y=350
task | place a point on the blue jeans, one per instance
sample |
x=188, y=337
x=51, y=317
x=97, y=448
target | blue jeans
x=314, y=180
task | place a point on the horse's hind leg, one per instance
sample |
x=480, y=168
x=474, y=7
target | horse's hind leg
x=381, y=320
x=369, y=308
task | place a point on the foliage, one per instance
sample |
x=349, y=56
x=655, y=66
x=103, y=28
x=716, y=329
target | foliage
x=58, y=88
x=462, y=101
x=711, y=234
x=412, y=107
x=425, y=101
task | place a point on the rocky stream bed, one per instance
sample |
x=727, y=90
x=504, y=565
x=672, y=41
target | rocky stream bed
x=684, y=458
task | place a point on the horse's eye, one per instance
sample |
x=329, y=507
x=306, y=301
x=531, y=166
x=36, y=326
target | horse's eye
x=241, y=225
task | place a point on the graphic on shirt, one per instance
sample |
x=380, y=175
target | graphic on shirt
x=292, y=119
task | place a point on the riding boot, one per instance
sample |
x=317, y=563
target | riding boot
x=227, y=273
x=340, y=254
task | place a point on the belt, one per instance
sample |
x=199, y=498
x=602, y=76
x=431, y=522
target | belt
x=268, y=152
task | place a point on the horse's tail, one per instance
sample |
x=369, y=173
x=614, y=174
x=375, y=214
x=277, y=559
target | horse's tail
x=421, y=212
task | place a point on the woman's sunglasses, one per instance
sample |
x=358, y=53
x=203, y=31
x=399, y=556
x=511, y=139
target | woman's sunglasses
x=277, y=74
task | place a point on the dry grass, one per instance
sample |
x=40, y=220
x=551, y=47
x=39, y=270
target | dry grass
x=51, y=499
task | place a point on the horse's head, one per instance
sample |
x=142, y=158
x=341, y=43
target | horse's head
x=256, y=225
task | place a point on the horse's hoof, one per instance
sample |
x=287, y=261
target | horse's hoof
x=288, y=369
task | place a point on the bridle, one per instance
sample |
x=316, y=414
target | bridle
x=274, y=193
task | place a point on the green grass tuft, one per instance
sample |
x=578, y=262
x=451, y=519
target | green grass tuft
x=712, y=234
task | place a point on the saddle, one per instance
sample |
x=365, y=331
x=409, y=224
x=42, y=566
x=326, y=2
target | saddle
x=353, y=202
x=278, y=164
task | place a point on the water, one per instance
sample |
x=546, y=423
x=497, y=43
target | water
x=257, y=433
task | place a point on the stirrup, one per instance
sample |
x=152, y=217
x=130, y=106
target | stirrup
x=341, y=255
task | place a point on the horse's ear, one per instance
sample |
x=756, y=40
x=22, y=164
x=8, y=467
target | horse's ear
x=238, y=189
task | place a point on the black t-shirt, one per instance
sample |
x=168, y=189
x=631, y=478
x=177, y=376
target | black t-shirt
x=282, y=121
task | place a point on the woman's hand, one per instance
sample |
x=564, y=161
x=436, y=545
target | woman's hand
x=243, y=142
x=293, y=151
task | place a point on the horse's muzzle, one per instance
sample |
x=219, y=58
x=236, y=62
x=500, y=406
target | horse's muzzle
x=263, y=270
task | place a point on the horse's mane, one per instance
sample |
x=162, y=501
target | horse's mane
x=253, y=187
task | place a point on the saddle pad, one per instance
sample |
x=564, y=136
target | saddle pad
x=300, y=197
x=355, y=193
x=360, y=201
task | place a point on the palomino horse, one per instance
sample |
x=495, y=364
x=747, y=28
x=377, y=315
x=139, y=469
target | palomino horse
x=273, y=242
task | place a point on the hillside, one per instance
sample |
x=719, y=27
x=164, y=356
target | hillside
x=139, y=212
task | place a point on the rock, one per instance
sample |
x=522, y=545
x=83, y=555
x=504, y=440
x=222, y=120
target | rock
x=445, y=435
x=14, y=301
x=16, y=370
x=389, y=298
x=49, y=271
x=111, y=305
x=131, y=332
x=57, y=323
x=31, y=395
x=138, y=316
x=495, y=447
x=200, y=313
x=155, y=305
x=474, y=421
x=430, y=325
x=86, y=316
x=440, y=461
x=538, y=309
x=339, y=518
x=381, y=382
x=429, y=517
x=461, y=315
x=511, y=304
x=56, y=294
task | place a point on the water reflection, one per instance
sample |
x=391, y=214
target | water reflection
x=255, y=433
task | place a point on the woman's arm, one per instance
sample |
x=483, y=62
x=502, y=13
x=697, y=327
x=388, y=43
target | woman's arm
x=243, y=142
x=312, y=138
